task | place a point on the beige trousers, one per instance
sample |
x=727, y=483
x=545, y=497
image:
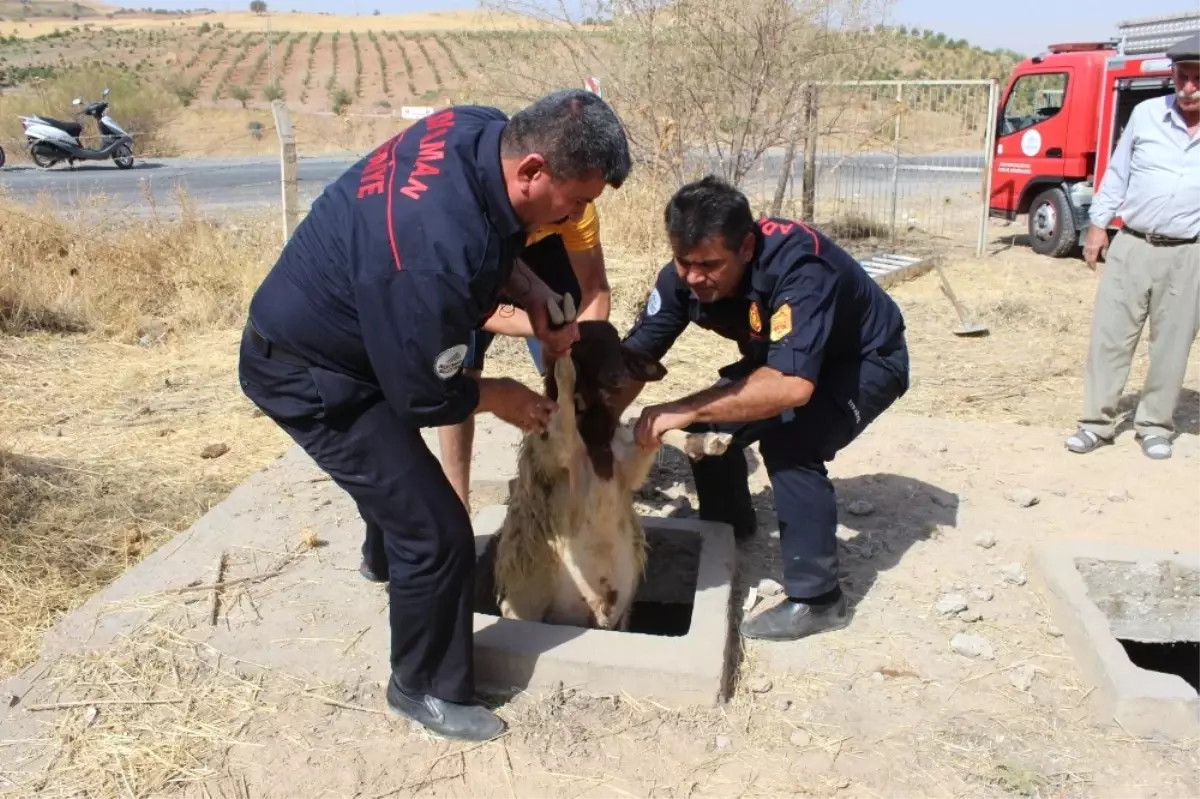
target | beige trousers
x=1139, y=281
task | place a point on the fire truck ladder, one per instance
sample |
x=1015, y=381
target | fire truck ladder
x=1156, y=34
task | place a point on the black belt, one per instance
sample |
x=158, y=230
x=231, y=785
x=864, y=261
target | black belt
x=1156, y=240
x=269, y=349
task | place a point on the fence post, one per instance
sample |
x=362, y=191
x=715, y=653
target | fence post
x=808, y=199
x=785, y=171
x=896, y=164
x=989, y=139
x=287, y=166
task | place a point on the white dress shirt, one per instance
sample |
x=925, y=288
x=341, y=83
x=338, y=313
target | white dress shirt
x=1153, y=178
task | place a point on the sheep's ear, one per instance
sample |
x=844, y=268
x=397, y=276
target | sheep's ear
x=642, y=367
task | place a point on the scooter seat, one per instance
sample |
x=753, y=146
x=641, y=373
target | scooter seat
x=69, y=128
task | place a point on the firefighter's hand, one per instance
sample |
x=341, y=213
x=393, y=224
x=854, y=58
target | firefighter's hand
x=1095, y=246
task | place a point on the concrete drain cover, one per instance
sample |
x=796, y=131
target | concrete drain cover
x=1132, y=619
x=678, y=644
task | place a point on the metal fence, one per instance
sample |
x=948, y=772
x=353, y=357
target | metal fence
x=888, y=164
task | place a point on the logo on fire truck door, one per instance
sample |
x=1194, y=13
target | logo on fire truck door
x=1031, y=143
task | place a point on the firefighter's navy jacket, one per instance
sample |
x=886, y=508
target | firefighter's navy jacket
x=397, y=262
x=804, y=305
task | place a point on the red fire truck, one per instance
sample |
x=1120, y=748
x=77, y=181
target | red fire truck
x=1060, y=116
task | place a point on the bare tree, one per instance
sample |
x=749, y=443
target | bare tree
x=699, y=83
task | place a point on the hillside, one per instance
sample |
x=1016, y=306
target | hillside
x=371, y=64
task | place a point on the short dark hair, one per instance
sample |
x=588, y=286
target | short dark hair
x=575, y=131
x=705, y=208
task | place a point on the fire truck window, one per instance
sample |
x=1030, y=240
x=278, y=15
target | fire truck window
x=1033, y=99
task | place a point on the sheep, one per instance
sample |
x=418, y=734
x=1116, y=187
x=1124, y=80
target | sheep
x=571, y=549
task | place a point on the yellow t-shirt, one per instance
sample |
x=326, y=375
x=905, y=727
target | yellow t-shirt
x=577, y=236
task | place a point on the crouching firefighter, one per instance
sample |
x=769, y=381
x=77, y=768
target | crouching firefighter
x=823, y=354
x=357, y=336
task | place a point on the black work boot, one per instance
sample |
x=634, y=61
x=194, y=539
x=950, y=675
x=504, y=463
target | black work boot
x=793, y=619
x=366, y=572
x=448, y=719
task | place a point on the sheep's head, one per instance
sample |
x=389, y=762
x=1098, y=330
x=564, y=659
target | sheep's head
x=604, y=367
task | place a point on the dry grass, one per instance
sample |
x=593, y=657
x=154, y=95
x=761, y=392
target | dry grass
x=117, y=362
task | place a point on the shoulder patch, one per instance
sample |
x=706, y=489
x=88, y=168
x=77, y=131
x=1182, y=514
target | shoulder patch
x=653, y=302
x=450, y=361
x=781, y=322
x=755, y=318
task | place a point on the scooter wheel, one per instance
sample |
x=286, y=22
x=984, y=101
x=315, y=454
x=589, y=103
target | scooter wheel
x=123, y=157
x=41, y=161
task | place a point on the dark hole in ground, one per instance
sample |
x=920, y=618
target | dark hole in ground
x=664, y=600
x=1181, y=658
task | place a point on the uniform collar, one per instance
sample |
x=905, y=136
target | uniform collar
x=491, y=174
x=755, y=281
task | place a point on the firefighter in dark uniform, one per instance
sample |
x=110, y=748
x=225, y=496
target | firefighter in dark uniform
x=823, y=354
x=356, y=339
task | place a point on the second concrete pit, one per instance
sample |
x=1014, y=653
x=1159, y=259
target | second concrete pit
x=1104, y=596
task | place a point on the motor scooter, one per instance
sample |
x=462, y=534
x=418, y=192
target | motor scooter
x=50, y=141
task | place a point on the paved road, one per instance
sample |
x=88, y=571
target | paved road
x=228, y=184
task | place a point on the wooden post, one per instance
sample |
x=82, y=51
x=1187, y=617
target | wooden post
x=785, y=172
x=288, y=170
x=808, y=200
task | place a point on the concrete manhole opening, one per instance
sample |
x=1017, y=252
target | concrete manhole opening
x=1131, y=618
x=1181, y=658
x=1153, y=610
x=678, y=645
x=665, y=597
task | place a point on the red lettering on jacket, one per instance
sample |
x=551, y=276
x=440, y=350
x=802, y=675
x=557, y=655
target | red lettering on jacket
x=375, y=172
x=770, y=228
x=432, y=148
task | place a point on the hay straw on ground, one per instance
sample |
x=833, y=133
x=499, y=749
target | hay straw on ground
x=151, y=714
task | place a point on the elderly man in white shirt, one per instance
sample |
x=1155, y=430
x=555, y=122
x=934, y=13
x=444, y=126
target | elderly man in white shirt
x=1152, y=268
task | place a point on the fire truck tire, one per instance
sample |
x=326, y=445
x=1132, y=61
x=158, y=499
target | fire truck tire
x=1052, y=224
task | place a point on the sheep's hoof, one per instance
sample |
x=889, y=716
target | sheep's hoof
x=716, y=443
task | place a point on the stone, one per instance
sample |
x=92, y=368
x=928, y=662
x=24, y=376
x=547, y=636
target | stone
x=769, y=587
x=783, y=705
x=800, y=738
x=723, y=742
x=983, y=593
x=860, y=507
x=951, y=604
x=1022, y=497
x=1118, y=496
x=761, y=685
x=970, y=616
x=214, y=451
x=1022, y=677
x=972, y=646
x=1013, y=574
x=985, y=540
x=1054, y=632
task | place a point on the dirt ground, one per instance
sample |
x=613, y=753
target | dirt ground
x=882, y=708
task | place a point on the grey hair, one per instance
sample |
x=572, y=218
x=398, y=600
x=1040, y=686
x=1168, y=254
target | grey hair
x=575, y=131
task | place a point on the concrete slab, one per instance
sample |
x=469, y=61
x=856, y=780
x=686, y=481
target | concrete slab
x=675, y=670
x=1143, y=702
